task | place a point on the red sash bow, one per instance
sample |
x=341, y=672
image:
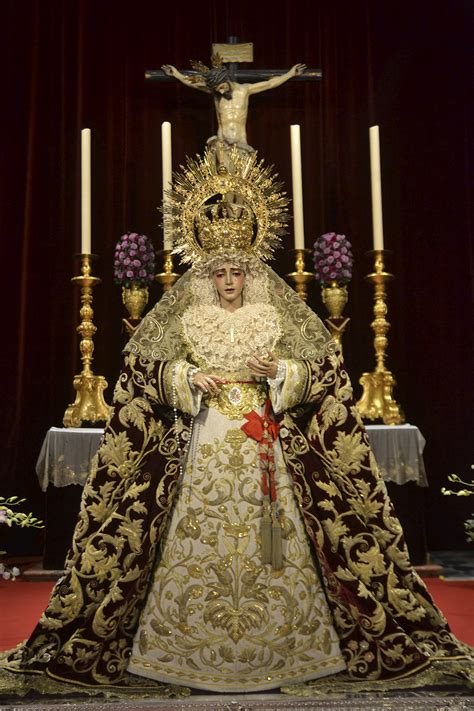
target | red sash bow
x=261, y=428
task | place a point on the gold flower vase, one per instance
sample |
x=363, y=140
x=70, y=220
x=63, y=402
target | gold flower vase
x=135, y=298
x=334, y=298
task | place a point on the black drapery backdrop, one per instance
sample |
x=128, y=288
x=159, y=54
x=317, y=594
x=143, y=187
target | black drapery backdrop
x=81, y=63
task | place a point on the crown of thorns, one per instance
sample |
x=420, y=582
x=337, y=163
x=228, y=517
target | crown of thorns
x=215, y=76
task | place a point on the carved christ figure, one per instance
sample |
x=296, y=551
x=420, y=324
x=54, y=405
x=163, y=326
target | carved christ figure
x=231, y=98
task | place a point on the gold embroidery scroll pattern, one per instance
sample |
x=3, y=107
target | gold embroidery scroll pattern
x=102, y=558
x=368, y=646
x=326, y=376
x=294, y=444
x=305, y=336
x=437, y=673
x=158, y=337
x=118, y=651
x=140, y=376
x=350, y=468
x=236, y=599
x=333, y=529
x=366, y=565
x=100, y=553
x=347, y=461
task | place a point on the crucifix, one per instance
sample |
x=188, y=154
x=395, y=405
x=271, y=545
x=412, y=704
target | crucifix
x=232, y=86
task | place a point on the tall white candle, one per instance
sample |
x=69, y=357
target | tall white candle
x=86, y=191
x=298, y=222
x=167, y=173
x=376, y=184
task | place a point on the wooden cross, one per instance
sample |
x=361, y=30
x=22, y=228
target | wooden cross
x=233, y=53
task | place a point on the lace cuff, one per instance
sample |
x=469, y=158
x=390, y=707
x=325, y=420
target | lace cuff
x=286, y=392
x=192, y=370
x=179, y=392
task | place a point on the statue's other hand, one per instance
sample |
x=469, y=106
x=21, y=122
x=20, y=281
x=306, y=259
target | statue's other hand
x=169, y=69
x=263, y=366
x=299, y=69
x=207, y=383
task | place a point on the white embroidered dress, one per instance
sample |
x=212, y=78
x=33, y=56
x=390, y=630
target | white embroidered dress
x=216, y=617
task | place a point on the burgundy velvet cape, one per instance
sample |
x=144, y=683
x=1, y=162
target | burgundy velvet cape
x=387, y=622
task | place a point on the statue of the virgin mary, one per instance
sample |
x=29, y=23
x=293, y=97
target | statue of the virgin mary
x=235, y=534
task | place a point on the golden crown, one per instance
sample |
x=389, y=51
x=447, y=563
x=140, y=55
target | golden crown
x=225, y=226
x=217, y=207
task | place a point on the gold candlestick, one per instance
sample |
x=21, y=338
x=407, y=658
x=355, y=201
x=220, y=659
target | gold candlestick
x=167, y=277
x=89, y=405
x=377, y=401
x=300, y=276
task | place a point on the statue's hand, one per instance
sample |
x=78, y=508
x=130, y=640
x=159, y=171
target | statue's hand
x=207, y=383
x=263, y=366
x=169, y=70
x=298, y=69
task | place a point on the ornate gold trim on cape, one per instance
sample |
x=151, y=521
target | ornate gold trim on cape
x=386, y=621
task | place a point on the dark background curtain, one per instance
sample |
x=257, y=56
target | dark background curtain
x=80, y=63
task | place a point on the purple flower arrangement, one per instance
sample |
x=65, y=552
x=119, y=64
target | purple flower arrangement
x=333, y=259
x=134, y=261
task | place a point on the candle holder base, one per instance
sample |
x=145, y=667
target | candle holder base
x=89, y=405
x=377, y=402
x=300, y=276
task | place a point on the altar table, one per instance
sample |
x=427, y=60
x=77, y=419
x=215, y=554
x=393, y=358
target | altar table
x=66, y=455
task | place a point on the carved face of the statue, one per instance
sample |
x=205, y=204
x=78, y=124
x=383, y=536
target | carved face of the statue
x=229, y=280
x=224, y=90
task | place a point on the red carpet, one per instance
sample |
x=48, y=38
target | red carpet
x=22, y=603
x=456, y=599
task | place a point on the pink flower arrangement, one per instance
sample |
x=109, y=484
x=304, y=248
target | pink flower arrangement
x=333, y=260
x=134, y=260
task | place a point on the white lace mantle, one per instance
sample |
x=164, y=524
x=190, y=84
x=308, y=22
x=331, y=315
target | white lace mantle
x=223, y=340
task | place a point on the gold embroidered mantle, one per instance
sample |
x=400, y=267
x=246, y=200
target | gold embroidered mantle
x=387, y=624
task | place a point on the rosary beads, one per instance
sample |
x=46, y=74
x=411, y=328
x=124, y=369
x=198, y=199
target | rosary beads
x=182, y=453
